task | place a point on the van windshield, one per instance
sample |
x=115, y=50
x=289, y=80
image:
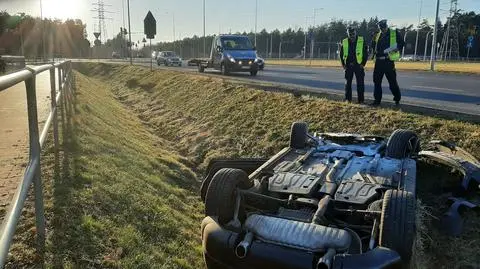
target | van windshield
x=236, y=43
x=169, y=54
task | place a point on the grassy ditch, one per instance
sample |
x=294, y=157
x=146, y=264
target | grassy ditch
x=208, y=117
x=123, y=198
x=456, y=67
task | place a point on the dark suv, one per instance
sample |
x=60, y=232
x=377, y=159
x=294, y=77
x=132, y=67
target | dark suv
x=168, y=58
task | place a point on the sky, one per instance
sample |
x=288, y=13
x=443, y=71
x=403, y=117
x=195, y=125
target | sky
x=223, y=16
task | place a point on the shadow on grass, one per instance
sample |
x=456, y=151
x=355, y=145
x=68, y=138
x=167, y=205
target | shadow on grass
x=68, y=238
x=118, y=201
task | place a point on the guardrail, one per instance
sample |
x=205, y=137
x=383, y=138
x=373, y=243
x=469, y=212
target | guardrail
x=36, y=141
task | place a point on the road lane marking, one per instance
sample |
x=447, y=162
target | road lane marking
x=439, y=88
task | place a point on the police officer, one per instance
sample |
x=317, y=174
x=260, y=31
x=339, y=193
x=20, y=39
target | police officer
x=354, y=56
x=386, y=45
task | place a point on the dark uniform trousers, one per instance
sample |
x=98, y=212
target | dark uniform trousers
x=387, y=68
x=357, y=70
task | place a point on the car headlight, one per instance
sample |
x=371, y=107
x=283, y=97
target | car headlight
x=169, y=60
x=230, y=58
x=257, y=60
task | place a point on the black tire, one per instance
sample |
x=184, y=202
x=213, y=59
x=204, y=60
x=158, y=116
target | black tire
x=221, y=193
x=298, y=135
x=402, y=144
x=249, y=165
x=397, y=223
x=253, y=73
x=223, y=69
x=201, y=69
x=158, y=63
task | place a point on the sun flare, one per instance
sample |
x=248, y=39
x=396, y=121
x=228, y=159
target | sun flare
x=61, y=9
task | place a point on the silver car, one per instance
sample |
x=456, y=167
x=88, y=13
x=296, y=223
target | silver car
x=168, y=58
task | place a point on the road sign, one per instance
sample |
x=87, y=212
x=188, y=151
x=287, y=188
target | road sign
x=470, y=42
x=150, y=26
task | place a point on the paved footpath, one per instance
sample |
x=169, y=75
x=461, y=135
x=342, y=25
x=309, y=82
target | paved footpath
x=14, y=134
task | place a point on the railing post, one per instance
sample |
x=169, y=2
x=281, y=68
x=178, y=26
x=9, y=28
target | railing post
x=35, y=153
x=53, y=98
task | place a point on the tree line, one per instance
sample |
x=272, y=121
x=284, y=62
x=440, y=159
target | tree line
x=21, y=34
x=290, y=42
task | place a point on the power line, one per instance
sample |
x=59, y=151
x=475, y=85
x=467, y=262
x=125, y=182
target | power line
x=101, y=31
x=449, y=43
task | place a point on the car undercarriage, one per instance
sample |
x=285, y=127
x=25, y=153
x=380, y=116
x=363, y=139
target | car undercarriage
x=328, y=200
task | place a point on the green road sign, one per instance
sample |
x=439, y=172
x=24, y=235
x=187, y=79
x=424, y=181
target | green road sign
x=150, y=26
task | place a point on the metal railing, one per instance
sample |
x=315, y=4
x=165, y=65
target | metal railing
x=60, y=96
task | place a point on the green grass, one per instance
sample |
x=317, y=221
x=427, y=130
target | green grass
x=131, y=200
x=125, y=198
x=455, y=67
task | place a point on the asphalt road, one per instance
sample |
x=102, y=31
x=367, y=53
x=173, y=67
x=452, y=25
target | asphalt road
x=443, y=91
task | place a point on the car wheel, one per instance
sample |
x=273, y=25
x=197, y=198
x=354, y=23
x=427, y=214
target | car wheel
x=201, y=69
x=158, y=63
x=253, y=73
x=397, y=223
x=298, y=135
x=221, y=194
x=402, y=144
x=223, y=69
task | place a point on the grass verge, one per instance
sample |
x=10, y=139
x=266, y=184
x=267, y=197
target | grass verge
x=124, y=198
x=209, y=117
x=468, y=68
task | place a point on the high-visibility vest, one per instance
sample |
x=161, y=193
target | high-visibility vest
x=358, y=52
x=394, y=56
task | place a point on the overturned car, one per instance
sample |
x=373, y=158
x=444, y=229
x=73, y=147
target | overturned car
x=328, y=200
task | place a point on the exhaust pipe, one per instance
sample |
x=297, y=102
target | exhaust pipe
x=322, y=208
x=242, y=249
x=329, y=177
x=326, y=261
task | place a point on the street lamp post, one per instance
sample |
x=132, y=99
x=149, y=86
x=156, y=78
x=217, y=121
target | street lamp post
x=404, y=42
x=305, y=42
x=256, y=18
x=173, y=21
x=434, y=43
x=43, y=32
x=418, y=30
x=204, y=40
x=129, y=32
x=280, y=50
x=313, y=34
x=426, y=45
x=271, y=44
